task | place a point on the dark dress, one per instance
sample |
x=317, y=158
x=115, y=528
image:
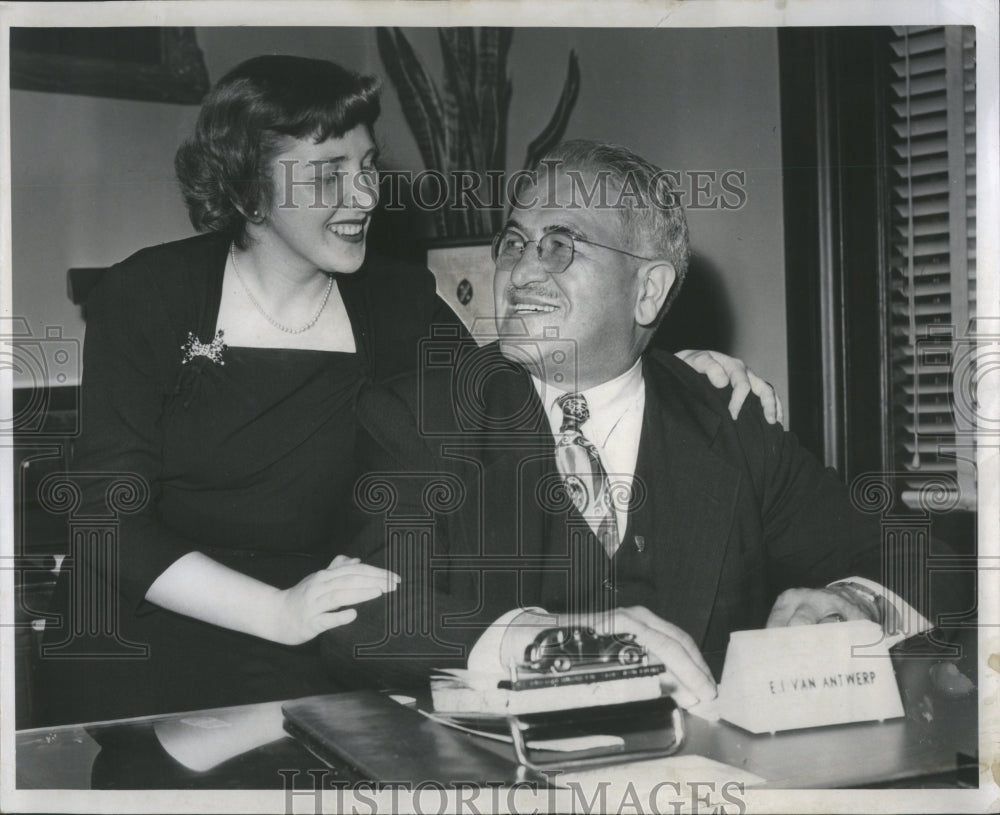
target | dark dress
x=248, y=458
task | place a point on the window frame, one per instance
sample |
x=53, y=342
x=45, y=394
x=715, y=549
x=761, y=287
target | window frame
x=837, y=199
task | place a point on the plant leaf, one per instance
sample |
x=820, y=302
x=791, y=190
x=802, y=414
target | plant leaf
x=503, y=107
x=455, y=43
x=464, y=126
x=418, y=95
x=424, y=86
x=453, y=132
x=556, y=127
x=465, y=51
x=494, y=45
x=500, y=149
x=486, y=90
x=492, y=123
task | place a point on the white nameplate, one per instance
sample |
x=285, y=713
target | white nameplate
x=807, y=676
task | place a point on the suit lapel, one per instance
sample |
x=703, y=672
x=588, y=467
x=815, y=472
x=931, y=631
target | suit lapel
x=686, y=512
x=514, y=444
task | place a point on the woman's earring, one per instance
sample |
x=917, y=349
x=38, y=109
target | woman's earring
x=254, y=217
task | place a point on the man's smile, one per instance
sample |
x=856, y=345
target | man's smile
x=522, y=303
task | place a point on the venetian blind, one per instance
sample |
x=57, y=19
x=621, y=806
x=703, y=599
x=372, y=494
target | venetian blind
x=932, y=146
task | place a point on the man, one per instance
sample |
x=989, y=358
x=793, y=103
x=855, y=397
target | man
x=568, y=474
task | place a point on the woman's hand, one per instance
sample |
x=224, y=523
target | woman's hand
x=722, y=370
x=199, y=587
x=309, y=608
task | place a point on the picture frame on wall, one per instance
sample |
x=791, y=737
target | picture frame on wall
x=151, y=64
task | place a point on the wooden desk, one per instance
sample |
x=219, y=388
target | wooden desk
x=244, y=748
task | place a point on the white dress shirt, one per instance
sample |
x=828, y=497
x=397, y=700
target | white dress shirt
x=614, y=427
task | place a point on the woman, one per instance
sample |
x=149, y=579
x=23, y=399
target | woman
x=220, y=374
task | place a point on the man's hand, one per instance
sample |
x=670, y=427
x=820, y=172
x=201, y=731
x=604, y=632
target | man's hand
x=811, y=606
x=722, y=370
x=688, y=678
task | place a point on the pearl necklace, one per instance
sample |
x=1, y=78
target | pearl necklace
x=268, y=317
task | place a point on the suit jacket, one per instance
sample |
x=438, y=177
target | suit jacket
x=464, y=494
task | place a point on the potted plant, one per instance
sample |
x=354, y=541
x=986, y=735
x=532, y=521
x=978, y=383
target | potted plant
x=462, y=128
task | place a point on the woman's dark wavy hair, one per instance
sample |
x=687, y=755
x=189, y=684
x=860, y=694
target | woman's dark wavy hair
x=223, y=169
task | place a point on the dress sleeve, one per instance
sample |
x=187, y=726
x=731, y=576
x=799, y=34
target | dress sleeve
x=127, y=375
x=399, y=639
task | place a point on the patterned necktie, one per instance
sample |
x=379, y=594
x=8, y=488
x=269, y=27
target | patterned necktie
x=583, y=474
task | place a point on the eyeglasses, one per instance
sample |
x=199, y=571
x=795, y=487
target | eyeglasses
x=555, y=250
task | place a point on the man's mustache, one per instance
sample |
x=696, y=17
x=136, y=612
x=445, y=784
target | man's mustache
x=515, y=294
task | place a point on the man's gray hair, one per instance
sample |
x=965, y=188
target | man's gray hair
x=647, y=200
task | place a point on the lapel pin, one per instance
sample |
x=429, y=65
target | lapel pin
x=640, y=543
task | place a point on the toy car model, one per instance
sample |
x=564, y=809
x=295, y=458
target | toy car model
x=562, y=649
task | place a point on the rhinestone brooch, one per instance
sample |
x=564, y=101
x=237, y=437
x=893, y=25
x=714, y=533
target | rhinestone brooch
x=196, y=348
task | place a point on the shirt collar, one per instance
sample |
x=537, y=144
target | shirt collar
x=607, y=402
